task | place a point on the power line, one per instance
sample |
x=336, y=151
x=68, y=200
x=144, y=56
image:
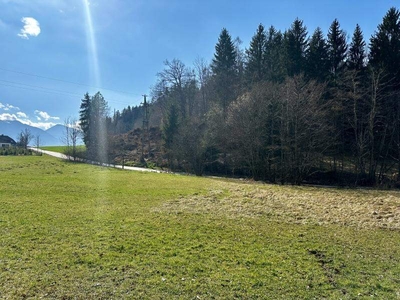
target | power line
x=48, y=90
x=40, y=87
x=66, y=81
x=33, y=89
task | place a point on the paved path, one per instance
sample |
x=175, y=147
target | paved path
x=63, y=156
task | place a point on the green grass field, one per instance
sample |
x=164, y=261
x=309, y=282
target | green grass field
x=75, y=231
x=61, y=149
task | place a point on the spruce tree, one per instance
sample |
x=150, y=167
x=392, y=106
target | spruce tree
x=224, y=69
x=337, y=49
x=84, y=118
x=385, y=45
x=256, y=56
x=92, y=116
x=225, y=54
x=385, y=57
x=274, y=56
x=296, y=43
x=356, y=57
x=317, y=57
x=97, y=127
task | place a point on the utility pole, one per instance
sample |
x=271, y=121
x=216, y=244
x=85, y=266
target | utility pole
x=145, y=113
x=145, y=126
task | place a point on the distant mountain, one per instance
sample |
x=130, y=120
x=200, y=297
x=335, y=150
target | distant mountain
x=13, y=129
x=59, y=131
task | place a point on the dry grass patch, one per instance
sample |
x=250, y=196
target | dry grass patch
x=301, y=205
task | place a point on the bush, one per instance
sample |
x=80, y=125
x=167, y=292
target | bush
x=15, y=151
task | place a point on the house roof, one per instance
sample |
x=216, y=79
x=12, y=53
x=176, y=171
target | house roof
x=6, y=139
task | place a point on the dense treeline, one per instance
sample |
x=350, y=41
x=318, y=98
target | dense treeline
x=124, y=121
x=291, y=107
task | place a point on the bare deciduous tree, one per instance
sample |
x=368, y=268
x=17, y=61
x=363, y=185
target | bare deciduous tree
x=24, y=138
x=203, y=75
x=71, y=136
x=37, y=144
x=279, y=131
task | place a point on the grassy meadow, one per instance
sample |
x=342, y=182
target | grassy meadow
x=76, y=231
x=61, y=149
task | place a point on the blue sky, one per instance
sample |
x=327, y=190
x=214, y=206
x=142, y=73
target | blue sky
x=43, y=40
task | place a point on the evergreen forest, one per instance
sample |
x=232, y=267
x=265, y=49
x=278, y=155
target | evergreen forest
x=291, y=107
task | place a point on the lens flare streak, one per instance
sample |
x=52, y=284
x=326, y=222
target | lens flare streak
x=92, y=45
x=95, y=73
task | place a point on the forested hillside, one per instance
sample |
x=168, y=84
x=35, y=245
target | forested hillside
x=292, y=106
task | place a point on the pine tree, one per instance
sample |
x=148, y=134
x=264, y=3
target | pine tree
x=356, y=57
x=84, y=118
x=337, y=48
x=385, y=45
x=296, y=42
x=97, y=127
x=274, y=56
x=92, y=116
x=225, y=55
x=385, y=57
x=317, y=57
x=224, y=68
x=256, y=56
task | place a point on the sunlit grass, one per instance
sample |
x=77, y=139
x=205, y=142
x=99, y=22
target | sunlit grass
x=79, y=231
x=61, y=149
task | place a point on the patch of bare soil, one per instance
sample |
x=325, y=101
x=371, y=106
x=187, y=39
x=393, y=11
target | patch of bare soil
x=306, y=205
x=127, y=147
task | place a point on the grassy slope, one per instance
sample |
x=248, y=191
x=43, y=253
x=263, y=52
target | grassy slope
x=60, y=149
x=79, y=231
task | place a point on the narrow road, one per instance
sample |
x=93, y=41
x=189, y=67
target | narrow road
x=63, y=156
x=51, y=153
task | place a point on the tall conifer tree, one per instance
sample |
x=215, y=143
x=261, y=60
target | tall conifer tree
x=385, y=45
x=225, y=55
x=84, y=118
x=356, y=58
x=256, y=55
x=296, y=43
x=317, y=57
x=224, y=69
x=337, y=48
x=385, y=56
x=274, y=56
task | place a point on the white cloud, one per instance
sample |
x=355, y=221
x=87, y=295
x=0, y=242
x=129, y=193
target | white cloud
x=43, y=118
x=41, y=125
x=21, y=115
x=31, y=28
x=13, y=113
x=8, y=107
x=44, y=115
x=24, y=120
x=74, y=124
x=8, y=117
